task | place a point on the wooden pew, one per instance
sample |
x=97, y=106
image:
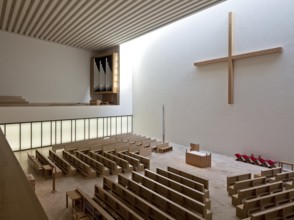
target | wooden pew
x=257, y=191
x=287, y=164
x=162, y=148
x=269, y=173
x=190, y=183
x=99, y=167
x=281, y=212
x=138, y=204
x=81, y=166
x=111, y=165
x=62, y=164
x=93, y=209
x=142, y=159
x=163, y=203
x=232, y=179
x=243, y=184
x=265, y=202
x=46, y=161
x=181, y=199
x=35, y=164
x=145, y=151
x=194, y=194
x=198, y=179
x=289, y=185
x=286, y=176
x=124, y=164
x=114, y=206
x=133, y=161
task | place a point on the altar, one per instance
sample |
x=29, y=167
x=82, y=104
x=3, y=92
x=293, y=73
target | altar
x=198, y=158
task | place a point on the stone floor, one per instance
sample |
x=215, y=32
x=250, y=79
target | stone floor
x=222, y=166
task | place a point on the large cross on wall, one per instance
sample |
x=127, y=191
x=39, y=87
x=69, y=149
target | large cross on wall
x=230, y=59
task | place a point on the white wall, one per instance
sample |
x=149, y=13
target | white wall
x=43, y=72
x=262, y=119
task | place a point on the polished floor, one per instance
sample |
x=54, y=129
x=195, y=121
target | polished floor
x=222, y=166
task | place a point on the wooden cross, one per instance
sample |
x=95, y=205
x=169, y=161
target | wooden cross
x=231, y=58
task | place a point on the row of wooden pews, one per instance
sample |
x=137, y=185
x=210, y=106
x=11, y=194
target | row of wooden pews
x=104, y=163
x=45, y=161
x=96, y=165
x=80, y=165
x=66, y=167
x=264, y=195
x=121, y=143
x=150, y=196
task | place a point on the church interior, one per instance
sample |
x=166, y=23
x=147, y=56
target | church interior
x=146, y=109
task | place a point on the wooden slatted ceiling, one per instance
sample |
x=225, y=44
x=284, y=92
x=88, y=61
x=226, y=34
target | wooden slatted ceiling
x=93, y=24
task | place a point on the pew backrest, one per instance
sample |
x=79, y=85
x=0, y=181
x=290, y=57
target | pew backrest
x=232, y=179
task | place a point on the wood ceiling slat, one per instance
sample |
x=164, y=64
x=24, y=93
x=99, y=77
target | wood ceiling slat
x=81, y=21
x=33, y=16
x=120, y=23
x=9, y=27
x=19, y=11
x=77, y=18
x=30, y=10
x=50, y=15
x=73, y=18
x=39, y=16
x=25, y=14
x=114, y=17
x=102, y=11
x=173, y=16
x=3, y=11
x=136, y=21
x=117, y=12
x=43, y=17
x=12, y=8
x=168, y=18
x=93, y=24
x=56, y=18
x=63, y=18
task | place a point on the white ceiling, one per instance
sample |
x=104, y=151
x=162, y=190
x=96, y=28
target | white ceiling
x=93, y=24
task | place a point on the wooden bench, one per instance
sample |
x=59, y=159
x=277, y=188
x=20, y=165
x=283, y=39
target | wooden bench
x=46, y=161
x=289, y=185
x=280, y=212
x=138, y=204
x=133, y=161
x=35, y=164
x=114, y=206
x=198, y=179
x=186, y=201
x=283, y=163
x=286, y=176
x=232, y=179
x=253, y=192
x=99, y=167
x=265, y=202
x=194, y=194
x=93, y=209
x=161, y=202
x=81, y=166
x=190, y=183
x=145, y=151
x=124, y=164
x=162, y=148
x=243, y=184
x=62, y=164
x=144, y=160
x=111, y=165
x=269, y=173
